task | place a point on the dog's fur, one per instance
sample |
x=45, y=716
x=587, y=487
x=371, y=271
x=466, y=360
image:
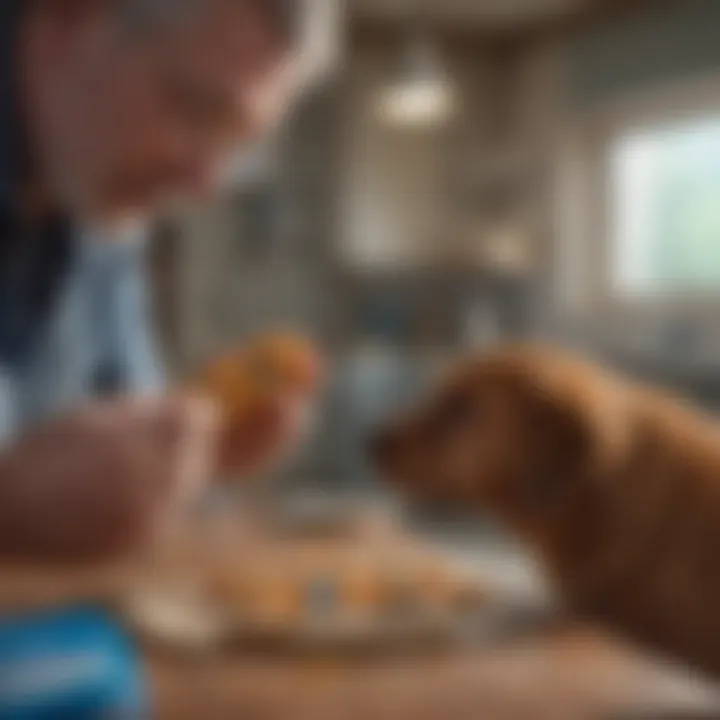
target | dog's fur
x=616, y=487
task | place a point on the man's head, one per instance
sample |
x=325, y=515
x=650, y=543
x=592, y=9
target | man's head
x=132, y=101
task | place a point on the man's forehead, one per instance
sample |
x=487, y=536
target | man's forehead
x=281, y=15
x=228, y=30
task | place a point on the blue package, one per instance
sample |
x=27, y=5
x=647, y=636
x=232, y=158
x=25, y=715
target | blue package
x=74, y=664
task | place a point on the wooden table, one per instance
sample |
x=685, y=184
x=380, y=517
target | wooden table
x=557, y=671
x=570, y=673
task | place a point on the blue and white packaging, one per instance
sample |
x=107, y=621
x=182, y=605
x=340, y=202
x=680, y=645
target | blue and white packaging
x=74, y=664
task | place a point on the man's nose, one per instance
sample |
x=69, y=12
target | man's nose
x=199, y=180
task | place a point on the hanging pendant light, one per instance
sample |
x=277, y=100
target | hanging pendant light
x=420, y=93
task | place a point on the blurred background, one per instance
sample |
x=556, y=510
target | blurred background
x=460, y=173
x=465, y=172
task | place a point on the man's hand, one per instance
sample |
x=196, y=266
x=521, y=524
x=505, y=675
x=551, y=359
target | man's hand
x=265, y=392
x=105, y=482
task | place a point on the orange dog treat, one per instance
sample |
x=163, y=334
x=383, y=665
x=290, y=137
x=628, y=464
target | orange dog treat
x=273, y=366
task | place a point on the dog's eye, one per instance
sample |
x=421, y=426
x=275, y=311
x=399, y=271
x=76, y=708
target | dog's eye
x=455, y=410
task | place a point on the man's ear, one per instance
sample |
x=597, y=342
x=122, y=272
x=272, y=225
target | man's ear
x=52, y=36
x=56, y=20
x=72, y=9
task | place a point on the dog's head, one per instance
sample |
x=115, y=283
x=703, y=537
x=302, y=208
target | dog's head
x=515, y=432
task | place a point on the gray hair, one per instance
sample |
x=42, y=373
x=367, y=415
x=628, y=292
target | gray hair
x=283, y=14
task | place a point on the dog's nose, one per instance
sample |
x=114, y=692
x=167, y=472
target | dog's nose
x=382, y=444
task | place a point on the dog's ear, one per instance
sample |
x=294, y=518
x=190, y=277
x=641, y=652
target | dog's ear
x=560, y=448
x=576, y=438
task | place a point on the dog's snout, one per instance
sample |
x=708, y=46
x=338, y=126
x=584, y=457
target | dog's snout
x=383, y=444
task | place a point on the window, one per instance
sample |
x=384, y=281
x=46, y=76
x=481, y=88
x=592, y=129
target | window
x=664, y=208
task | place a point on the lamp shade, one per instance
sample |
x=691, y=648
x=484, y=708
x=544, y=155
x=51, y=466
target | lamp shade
x=420, y=92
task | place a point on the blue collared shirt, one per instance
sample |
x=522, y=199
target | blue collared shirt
x=97, y=330
x=96, y=325
x=72, y=302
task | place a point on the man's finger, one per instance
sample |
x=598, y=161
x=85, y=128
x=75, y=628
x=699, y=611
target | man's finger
x=180, y=433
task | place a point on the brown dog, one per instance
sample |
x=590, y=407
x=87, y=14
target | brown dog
x=616, y=487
